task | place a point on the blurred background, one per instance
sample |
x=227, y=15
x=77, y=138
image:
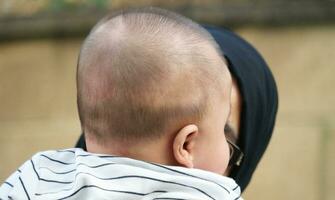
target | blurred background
x=39, y=44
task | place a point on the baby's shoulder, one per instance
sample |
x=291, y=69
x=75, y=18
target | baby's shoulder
x=57, y=158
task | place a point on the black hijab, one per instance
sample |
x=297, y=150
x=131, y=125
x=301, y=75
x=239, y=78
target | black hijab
x=259, y=100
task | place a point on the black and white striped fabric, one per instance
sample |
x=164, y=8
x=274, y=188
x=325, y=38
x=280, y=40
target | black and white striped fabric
x=77, y=174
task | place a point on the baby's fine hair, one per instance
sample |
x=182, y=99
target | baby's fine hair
x=144, y=72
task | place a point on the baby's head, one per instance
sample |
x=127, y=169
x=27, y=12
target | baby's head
x=152, y=85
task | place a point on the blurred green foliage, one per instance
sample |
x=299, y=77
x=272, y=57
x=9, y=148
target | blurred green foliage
x=69, y=5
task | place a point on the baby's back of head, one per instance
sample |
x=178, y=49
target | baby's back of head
x=144, y=73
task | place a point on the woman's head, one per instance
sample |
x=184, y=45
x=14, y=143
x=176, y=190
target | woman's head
x=254, y=101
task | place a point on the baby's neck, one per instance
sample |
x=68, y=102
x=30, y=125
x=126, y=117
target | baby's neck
x=157, y=151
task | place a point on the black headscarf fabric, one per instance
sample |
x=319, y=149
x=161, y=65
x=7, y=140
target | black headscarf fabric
x=259, y=100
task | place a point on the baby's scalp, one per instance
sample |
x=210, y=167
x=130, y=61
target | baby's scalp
x=142, y=72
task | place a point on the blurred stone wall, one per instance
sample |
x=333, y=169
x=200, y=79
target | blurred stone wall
x=37, y=81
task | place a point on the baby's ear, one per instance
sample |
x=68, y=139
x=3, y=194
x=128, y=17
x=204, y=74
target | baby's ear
x=184, y=144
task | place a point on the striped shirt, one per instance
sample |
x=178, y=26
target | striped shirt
x=77, y=174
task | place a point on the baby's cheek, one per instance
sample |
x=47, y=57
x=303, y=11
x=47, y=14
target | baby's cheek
x=221, y=157
x=225, y=156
